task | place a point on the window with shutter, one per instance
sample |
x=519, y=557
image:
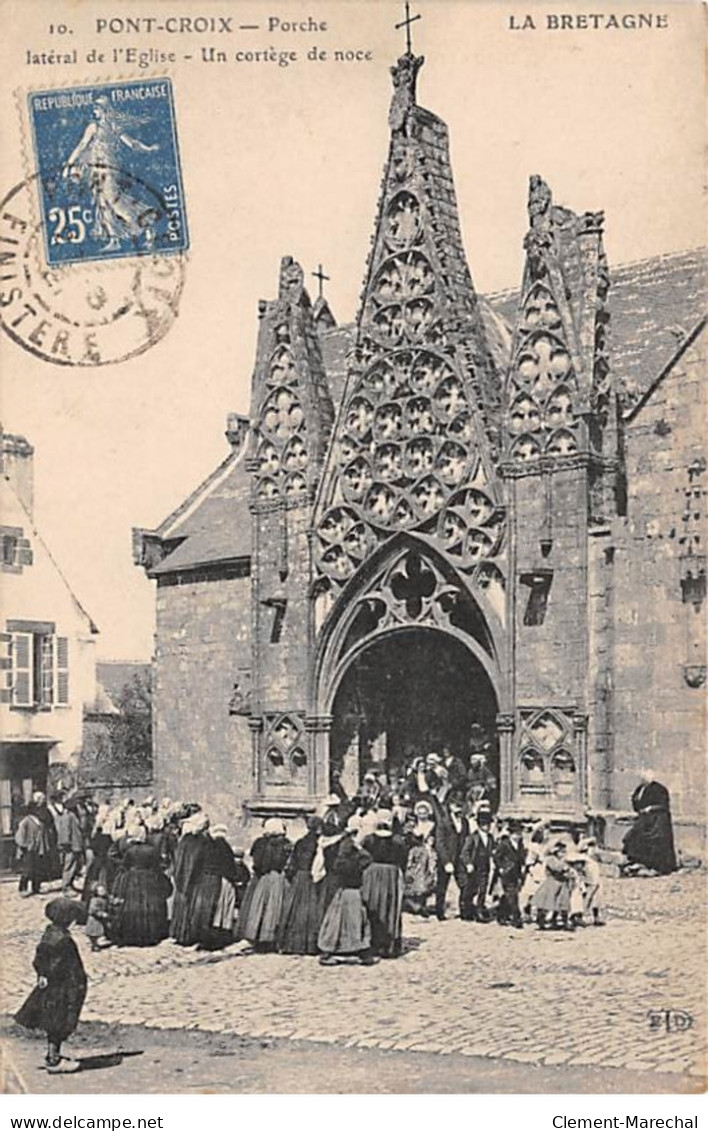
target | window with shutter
x=62, y=671
x=46, y=691
x=22, y=669
x=5, y=807
x=5, y=667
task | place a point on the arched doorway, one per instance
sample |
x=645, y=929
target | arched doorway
x=407, y=693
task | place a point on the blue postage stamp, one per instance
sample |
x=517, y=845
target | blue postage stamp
x=109, y=177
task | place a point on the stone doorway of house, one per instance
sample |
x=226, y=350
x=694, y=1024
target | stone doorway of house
x=408, y=693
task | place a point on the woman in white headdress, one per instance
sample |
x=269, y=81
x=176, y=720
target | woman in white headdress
x=212, y=908
x=382, y=887
x=421, y=865
x=346, y=932
x=260, y=915
x=187, y=865
x=141, y=918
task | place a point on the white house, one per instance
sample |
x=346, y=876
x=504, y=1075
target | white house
x=47, y=646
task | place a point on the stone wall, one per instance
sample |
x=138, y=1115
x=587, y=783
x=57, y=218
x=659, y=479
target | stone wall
x=659, y=637
x=202, y=747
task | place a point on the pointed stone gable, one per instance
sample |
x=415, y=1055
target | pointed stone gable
x=559, y=394
x=417, y=435
x=292, y=407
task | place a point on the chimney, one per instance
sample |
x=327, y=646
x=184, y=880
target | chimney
x=18, y=468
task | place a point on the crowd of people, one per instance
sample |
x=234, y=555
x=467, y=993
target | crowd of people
x=153, y=870
x=135, y=874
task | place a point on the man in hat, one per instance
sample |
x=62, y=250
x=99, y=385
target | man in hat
x=451, y=832
x=481, y=782
x=509, y=868
x=32, y=847
x=70, y=843
x=476, y=860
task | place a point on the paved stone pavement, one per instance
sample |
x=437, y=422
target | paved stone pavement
x=549, y=999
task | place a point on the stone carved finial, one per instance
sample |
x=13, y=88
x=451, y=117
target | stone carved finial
x=539, y=204
x=539, y=235
x=405, y=75
x=591, y=222
x=292, y=280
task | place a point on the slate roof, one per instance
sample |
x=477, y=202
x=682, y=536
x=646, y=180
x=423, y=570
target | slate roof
x=654, y=306
x=113, y=675
x=215, y=526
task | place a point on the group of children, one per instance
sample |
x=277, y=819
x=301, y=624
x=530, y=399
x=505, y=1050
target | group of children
x=562, y=887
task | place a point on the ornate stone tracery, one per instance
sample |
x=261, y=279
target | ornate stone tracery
x=559, y=371
x=407, y=448
x=412, y=431
x=285, y=762
x=413, y=588
x=550, y=753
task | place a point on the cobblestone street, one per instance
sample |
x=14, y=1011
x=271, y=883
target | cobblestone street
x=463, y=989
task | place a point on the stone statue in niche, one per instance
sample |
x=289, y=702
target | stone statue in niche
x=404, y=75
x=292, y=279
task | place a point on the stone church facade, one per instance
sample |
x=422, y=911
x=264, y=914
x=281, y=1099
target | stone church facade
x=466, y=522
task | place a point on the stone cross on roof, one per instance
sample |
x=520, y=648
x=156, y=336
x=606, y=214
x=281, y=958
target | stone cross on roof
x=321, y=279
x=407, y=25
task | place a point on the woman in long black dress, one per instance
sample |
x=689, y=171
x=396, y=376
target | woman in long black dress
x=650, y=841
x=103, y=866
x=141, y=918
x=212, y=908
x=187, y=866
x=55, y=1003
x=345, y=930
x=382, y=886
x=302, y=914
x=260, y=915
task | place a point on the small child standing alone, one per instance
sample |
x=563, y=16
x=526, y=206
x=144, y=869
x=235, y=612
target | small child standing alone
x=56, y=1001
x=95, y=928
x=594, y=902
x=552, y=900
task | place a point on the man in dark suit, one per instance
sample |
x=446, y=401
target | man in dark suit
x=451, y=831
x=509, y=868
x=476, y=863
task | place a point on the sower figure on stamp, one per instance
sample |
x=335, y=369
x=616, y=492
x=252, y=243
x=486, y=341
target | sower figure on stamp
x=118, y=215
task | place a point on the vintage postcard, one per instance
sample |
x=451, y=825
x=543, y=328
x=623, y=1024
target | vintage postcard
x=354, y=492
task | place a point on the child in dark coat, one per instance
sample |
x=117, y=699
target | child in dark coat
x=56, y=1001
x=95, y=928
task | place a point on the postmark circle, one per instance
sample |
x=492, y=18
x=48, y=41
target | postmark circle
x=84, y=313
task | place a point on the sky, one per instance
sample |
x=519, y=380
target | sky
x=288, y=160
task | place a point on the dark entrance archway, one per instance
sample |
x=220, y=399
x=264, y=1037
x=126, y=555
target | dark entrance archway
x=410, y=692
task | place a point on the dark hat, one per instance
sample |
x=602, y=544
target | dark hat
x=63, y=912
